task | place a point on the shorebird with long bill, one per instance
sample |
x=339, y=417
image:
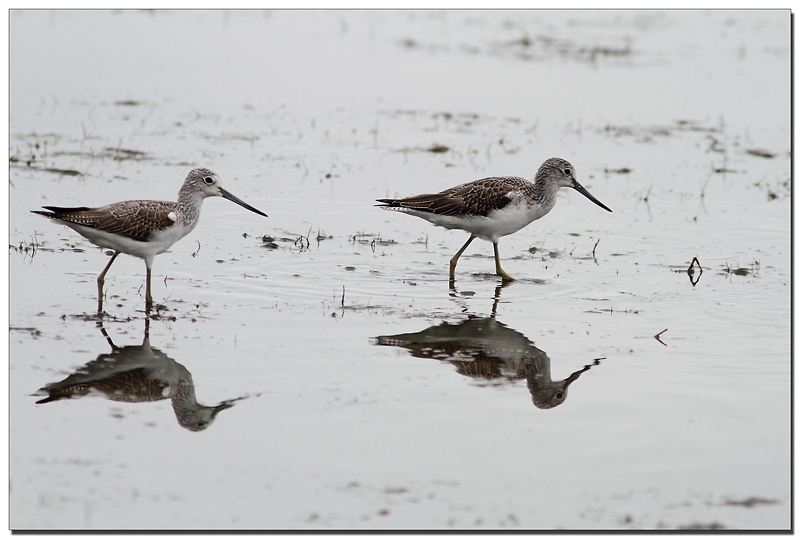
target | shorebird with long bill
x=143, y=228
x=491, y=208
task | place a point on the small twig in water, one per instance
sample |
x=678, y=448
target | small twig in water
x=690, y=271
x=198, y=249
x=542, y=245
x=304, y=241
x=648, y=193
x=658, y=337
x=703, y=189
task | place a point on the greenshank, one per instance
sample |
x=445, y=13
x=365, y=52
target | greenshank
x=491, y=208
x=144, y=228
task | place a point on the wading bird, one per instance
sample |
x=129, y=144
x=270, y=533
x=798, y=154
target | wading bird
x=143, y=228
x=491, y=208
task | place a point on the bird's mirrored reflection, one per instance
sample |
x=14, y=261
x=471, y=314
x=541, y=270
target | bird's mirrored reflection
x=459, y=296
x=137, y=374
x=482, y=347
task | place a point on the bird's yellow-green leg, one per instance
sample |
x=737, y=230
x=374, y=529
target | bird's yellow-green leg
x=148, y=298
x=500, y=272
x=101, y=279
x=454, y=260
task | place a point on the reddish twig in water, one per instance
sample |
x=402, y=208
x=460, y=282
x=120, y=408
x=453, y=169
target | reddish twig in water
x=658, y=337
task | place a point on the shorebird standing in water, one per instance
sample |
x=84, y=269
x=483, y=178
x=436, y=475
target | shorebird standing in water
x=143, y=228
x=491, y=208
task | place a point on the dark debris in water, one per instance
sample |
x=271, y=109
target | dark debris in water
x=761, y=153
x=28, y=248
x=123, y=154
x=31, y=163
x=741, y=271
x=752, y=501
x=552, y=253
x=34, y=332
x=777, y=191
x=301, y=240
x=698, y=126
x=527, y=48
x=434, y=148
x=39, y=158
x=641, y=134
x=546, y=47
x=117, y=154
x=738, y=271
x=96, y=317
x=649, y=133
x=62, y=171
x=459, y=122
x=703, y=526
x=370, y=239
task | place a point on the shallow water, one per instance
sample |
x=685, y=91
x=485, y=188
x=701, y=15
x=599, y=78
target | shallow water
x=366, y=392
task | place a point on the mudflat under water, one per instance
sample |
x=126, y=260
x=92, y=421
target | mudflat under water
x=352, y=386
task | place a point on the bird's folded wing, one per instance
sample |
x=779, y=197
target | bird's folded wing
x=477, y=198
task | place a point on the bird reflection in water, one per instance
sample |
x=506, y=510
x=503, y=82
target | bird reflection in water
x=137, y=374
x=482, y=347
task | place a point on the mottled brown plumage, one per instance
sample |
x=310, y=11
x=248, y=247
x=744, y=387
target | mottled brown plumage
x=134, y=219
x=477, y=198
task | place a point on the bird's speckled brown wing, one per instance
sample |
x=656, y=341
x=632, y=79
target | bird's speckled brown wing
x=476, y=198
x=134, y=219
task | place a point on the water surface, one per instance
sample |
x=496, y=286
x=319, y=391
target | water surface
x=365, y=391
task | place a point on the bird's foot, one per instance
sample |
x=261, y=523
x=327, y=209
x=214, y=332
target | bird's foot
x=506, y=277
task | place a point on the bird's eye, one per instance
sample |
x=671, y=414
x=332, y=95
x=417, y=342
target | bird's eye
x=209, y=180
x=567, y=171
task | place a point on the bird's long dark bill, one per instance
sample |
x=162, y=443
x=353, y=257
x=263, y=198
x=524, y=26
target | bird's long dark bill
x=222, y=406
x=243, y=204
x=579, y=188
